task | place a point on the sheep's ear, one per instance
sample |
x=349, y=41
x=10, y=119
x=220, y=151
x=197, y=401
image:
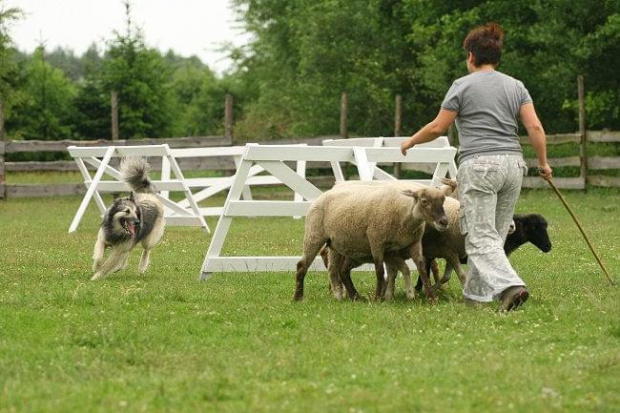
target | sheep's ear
x=412, y=194
x=450, y=186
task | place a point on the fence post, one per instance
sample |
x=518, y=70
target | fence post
x=114, y=114
x=398, y=112
x=2, y=181
x=2, y=139
x=228, y=117
x=1, y=119
x=582, y=132
x=344, y=109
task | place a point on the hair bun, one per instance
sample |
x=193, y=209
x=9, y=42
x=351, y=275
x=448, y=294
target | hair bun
x=494, y=31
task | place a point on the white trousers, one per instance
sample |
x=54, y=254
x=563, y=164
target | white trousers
x=488, y=189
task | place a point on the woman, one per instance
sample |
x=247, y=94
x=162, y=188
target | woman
x=485, y=105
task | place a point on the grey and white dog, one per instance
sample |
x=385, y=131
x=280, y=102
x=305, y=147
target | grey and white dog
x=129, y=221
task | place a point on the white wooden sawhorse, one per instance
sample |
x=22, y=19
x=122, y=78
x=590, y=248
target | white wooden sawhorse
x=273, y=159
x=99, y=157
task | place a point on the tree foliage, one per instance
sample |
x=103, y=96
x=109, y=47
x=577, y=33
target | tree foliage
x=43, y=105
x=287, y=82
x=305, y=53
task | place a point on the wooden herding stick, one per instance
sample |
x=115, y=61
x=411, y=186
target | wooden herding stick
x=580, y=229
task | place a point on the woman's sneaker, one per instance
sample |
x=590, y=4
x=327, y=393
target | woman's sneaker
x=513, y=297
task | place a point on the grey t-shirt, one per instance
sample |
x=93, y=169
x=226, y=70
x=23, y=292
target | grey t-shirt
x=488, y=104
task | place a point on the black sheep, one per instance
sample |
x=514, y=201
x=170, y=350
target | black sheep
x=528, y=228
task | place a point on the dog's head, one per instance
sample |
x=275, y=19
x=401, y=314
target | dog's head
x=125, y=216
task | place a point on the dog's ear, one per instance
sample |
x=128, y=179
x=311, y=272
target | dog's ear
x=131, y=197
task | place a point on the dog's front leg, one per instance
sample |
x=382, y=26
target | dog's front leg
x=98, y=252
x=144, y=261
x=113, y=263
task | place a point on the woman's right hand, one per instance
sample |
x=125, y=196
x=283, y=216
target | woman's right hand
x=545, y=171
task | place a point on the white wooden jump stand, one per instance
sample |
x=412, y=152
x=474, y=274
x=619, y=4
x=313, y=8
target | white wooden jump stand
x=99, y=157
x=272, y=158
x=208, y=187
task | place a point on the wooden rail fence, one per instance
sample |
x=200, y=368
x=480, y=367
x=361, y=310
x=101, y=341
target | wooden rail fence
x=589, y=175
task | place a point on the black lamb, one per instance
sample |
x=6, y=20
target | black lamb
x=528, y=228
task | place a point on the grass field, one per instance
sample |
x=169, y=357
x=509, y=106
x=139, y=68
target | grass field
x=167, y=342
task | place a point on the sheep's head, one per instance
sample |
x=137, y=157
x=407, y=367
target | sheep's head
x=534, y=227
x=429, y=207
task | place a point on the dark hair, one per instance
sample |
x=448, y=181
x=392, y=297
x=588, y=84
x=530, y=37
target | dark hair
x=485, y=43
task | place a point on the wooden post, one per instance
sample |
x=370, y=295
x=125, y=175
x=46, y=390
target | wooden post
x=398, y=112
x=228, y=117
x=582, y=131
x=2, y=181
x=2, y=139
x=344, y=109
x=114, y=114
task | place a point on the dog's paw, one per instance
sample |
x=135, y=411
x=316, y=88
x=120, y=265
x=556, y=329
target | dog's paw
x=97, y=276
x=96, y=266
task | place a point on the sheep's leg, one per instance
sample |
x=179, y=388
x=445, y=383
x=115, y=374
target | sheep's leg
x=311, y=249
x=447, y=273
x=345, y=277
x=398, y=263
x=388, y=293
x=434, y=268
x=380, y=271
x=460, y=272
x=334, y=267
x=431, y=266
x=418, y=259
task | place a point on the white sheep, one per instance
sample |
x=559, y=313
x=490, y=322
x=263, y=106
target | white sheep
x=370, y=221
x=448, y=244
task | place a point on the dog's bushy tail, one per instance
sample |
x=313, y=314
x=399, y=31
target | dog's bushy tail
x=134, y=170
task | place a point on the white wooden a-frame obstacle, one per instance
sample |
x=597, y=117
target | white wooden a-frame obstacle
x=272, y=158
x=99, y=157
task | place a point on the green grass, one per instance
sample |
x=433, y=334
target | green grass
x=167, y=342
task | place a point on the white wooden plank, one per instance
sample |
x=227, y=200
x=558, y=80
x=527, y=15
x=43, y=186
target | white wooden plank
x=165, y=174
x=266, y=208
x=297, y=153
x=424, y=155
x=211, y=211
x=301, y=171
x=440, y=172
x=183, y=221
x=207, y=152
x=82, y=152
x=86, y=176
x=112, y=186
x=108, y=170
x=291, y=179
x=364, y=168
x=227, y=182
x=142, y=150
x=223, y=224
x=91, y=190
